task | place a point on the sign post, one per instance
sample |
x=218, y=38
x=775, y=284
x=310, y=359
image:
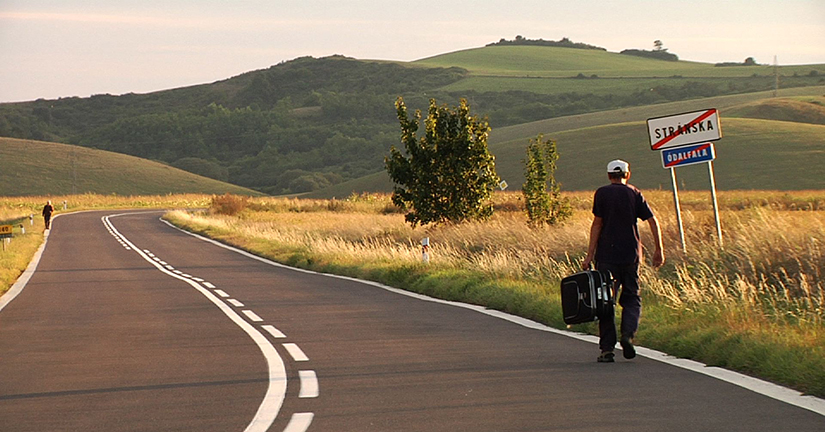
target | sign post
x=715, y=205
x=678, y=208
x=677, y=137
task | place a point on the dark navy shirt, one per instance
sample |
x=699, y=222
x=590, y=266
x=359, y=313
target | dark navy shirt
x=620, y=206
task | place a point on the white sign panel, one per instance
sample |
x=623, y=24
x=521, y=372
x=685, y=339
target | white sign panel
x=684, y=129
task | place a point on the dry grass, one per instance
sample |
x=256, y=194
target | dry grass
x=773, y=260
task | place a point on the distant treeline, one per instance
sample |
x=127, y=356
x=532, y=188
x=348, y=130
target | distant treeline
x=748, y=62
x=655, y=54
x=563, y=43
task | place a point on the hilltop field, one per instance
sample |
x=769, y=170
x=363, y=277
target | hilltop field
x=323, y=126
x=42, y=168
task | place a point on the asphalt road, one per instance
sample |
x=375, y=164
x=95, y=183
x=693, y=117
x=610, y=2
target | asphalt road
x=131, y=325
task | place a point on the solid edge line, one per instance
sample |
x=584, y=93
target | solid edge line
x=765, y=388
x=276, y=390
x=27, y=274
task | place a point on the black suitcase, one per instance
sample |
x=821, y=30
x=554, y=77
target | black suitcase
x=586, y=296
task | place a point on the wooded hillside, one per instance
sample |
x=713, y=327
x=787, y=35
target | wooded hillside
x=309, y=123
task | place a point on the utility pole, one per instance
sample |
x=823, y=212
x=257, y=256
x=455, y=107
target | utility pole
x=775, y=77
x=74, y=171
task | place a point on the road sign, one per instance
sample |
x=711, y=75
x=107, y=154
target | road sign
x=5, y=231
x=683, y=129
x=688, y=155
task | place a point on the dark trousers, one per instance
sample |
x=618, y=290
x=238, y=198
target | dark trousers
x=47, y=219
x=626, y=276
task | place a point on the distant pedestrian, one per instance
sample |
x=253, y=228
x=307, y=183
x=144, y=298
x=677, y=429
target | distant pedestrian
x=47, y=213
x=615, y=245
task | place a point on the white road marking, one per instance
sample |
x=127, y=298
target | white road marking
x=235, y=303
x=296, y=352
x=299, y=422
x=186, y=275
x=784, y=394
x=276, y=391
x=252, y=315
x=209, y=285
x=274, y=332
x=221, y=293
x=177, y=272
x=309, y=384
x=169, y=267
x=163, y=263
x=197, y=279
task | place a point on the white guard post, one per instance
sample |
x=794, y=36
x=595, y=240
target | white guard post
x=425, y=249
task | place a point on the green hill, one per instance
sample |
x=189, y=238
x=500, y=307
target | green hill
x=805, y=109
x=308, y=124
x=753, y=154
x=553, y=71
x=790, y=149
x=538, y=61
x=42, y=168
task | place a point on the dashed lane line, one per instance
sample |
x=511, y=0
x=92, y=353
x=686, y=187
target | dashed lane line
x=296, y=352
x=252, y=315
x=309, y=384
x=299, y=422
x=273, y=331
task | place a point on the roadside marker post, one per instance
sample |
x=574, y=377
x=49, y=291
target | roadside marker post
x=676, y=136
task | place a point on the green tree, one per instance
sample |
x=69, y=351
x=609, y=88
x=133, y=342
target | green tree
x=658, y=45
x=542, y=194
x=448, y=175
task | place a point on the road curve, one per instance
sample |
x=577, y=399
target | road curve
x=130, y=324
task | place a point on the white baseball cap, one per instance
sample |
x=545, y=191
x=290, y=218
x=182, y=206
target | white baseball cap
x=618, y=165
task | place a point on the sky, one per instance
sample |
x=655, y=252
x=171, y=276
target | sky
x=63, y=48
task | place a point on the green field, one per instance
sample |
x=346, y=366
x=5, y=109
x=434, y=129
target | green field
x=753, y=154
x=764, y=152
x=526, y=131
x=41, y=168
x=535, y=61
x=551, y=70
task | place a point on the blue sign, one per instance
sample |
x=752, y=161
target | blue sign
x=688, y=155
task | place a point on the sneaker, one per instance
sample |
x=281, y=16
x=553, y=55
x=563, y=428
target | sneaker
x=628, y=350
x=606, y=357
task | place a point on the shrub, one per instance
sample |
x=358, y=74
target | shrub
x=542, y=195
x=228, y=204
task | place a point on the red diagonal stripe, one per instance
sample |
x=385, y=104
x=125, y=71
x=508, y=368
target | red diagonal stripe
x=702, y=147
x=667, y=139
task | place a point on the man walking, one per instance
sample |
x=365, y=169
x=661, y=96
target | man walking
x=615, y=245
x=48, y=209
